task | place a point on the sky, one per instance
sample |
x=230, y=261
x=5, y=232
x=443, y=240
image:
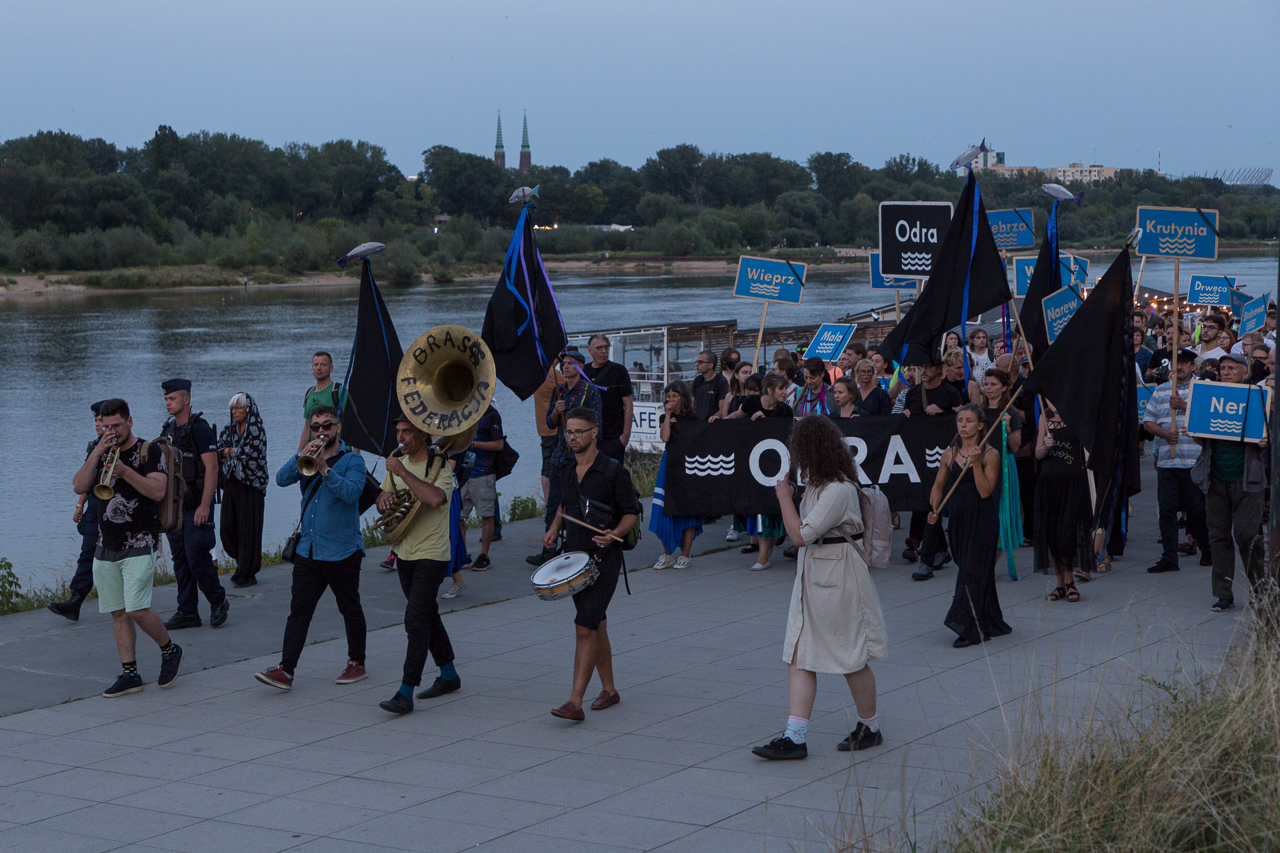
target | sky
x=1086, y=81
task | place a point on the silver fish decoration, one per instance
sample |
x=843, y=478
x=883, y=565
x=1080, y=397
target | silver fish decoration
x=364, y=250
x=524, y=195
x=1061, y=193
x=969, y=154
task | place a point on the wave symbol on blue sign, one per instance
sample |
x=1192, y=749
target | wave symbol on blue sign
x=1006, y=241
x=764, y=289
x=1224, y=425
x=1174, y=246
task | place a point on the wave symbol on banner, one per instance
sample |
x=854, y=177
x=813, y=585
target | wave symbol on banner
x=918, y=261
x=709, y=466
x=1171, y=246
x=933, y=456
x=1224, y=425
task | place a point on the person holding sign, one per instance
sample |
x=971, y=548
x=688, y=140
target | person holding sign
x=1064, y=519
x=1232, y=475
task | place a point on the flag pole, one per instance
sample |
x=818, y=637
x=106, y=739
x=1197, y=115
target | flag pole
x=897, y=307
x=1273, y=527
x=981, y=442
x=1176, y=344
x=760, y=336
x=1138, y=284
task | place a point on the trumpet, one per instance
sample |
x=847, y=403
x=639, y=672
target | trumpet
x=103, y=491
x=307, y=464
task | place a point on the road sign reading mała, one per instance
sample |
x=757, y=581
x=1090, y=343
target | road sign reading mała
x=1254, y=315
x=1178, y=232
x=1059, y=307
x=911, y=233
x=1227, y=411
x=766, y=278
x=1211, y=290
x=879, y=282
x=1013, y=228
x=830, y=341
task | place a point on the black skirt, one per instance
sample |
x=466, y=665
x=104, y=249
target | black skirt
x=1064, y=522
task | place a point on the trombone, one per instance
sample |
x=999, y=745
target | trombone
x=103, y=491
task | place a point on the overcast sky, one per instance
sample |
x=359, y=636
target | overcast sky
x=1047, y=83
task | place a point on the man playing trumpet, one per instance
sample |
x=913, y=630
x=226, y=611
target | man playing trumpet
x=422, y=560
x=128, y=484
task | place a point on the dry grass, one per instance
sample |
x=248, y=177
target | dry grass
x=644, y=470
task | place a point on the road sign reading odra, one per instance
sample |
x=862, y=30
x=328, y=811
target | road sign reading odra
x=911, y=233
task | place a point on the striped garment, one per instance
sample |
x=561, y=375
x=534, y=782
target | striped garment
x=1186, y=451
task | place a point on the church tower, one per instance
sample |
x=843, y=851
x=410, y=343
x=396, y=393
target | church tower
x=500, y=153
x=526, y=159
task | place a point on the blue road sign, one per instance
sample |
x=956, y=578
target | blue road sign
x=1227, y=411
x=766, y=278
x=1144, y=396
x=1014, y=228
x=879, y=282
x=1211, y=290
x=1254, y=315
x=830, y=341
x=1239, y=299
x=1178, y=232
x=1080, y=270
x=1059, y=307
x=1022, y=270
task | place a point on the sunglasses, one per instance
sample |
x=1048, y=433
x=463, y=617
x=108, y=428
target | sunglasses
x=318, y=425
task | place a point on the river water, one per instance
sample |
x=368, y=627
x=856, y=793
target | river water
x=60, y=352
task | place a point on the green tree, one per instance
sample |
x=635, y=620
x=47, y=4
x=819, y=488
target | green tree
x=465, y=183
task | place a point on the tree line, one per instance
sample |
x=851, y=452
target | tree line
x=68, y=203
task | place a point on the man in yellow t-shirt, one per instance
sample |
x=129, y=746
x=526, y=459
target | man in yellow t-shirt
x=422, y=560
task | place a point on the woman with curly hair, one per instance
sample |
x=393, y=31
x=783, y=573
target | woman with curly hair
x=834, y=623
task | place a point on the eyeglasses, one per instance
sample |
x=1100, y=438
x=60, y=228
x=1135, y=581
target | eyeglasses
x=316, y=425
x=578, y=433
x=702, y=361
x=599, y=347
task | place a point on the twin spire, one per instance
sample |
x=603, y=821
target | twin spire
x=500, y=152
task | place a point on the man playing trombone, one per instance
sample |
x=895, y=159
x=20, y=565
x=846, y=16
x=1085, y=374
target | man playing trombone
x=422, y=560
x=128, y=485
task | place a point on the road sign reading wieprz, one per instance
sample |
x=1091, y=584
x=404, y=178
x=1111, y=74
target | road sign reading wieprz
x=1073, y=270
x=766, y=278
x=1022, y=270
x=1254, y=315
x=1178, y=232
x=911, y=233
x=830, y=341
x=879, y=282
x=1059, y=307
x=1211, y=290
x=1227, y=411
x=1013, y=228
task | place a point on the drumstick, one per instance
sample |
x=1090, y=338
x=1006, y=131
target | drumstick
x=592, y=529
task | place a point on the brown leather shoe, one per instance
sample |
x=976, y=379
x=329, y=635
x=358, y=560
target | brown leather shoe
x=605, y=700
x=569, y=711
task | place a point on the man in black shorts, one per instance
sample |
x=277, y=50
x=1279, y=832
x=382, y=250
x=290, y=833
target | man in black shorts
x=598, y=490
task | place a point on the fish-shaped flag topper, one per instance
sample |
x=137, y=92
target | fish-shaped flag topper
x=968, y=155
x=364, y=250
x=1134, y=236
x=1061, y=193
x=524, y=195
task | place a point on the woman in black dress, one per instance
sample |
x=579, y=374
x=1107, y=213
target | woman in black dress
x=974, y=529
x=1062, y=508
x=868, y=396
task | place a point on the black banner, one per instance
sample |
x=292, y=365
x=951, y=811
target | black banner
x=730, y=467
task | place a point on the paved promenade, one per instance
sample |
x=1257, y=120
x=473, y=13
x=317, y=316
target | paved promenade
x=220, y=763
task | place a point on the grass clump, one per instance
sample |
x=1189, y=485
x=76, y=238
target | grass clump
x=644, y=470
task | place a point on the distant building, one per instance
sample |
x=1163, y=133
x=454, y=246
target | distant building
x=526, y=159
x=500, y=153
x=993, y=161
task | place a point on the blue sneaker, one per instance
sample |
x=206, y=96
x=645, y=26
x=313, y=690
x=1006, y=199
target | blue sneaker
x=126, y=683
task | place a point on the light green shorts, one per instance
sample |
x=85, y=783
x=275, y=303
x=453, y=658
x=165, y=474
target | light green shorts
x=124, y=584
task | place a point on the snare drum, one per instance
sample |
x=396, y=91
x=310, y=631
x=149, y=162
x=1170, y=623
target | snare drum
x=568, y=574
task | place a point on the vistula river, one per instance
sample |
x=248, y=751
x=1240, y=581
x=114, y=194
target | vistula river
x=59, y=352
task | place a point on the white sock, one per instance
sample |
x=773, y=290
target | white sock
x=797, y=728
x=873, y=724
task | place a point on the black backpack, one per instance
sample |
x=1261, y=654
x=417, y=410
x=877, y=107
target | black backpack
x=632, y=539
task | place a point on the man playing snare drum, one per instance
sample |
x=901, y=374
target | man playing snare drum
x=597, y=490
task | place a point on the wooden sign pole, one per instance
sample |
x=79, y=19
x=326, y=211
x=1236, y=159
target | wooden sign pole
x=1175, y=344
x=897, y=307
x=760, y=337
x=1138, y=284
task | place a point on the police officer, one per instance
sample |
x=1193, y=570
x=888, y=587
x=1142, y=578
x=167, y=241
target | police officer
x=192, y=546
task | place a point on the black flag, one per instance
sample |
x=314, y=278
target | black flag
x=1045, y=279
x=370, y=400
x=522, y=325
x=1088, y=375
x=968, y=278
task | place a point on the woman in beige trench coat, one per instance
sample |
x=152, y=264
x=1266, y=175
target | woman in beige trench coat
x=834, y=623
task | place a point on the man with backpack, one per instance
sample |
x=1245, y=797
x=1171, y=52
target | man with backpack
x=325, y=392
x=596, y=490
x=191, y=545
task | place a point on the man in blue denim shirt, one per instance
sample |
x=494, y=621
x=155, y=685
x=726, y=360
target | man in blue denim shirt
x=329, y=550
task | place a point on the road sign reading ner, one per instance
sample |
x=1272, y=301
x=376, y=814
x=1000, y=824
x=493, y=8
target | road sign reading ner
x=911, y=233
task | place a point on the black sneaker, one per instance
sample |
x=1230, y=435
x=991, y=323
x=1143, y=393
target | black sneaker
x=389, y=564
x=750, y=549
x=69, y=609
x=860, y=738
x=539, y=559
x=218, y=615
x=243, y=582
x=480, y=564
x=1222, y=605
x=781, y=748
x=1162, y=567
x=922, y=575
x=126, y=683
x=440, y=687
x=169, y=666
x=397, y=704
x=1206, y=559
x=178, y=621
x=910, y=555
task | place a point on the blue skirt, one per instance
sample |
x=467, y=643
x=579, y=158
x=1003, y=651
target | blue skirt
x=457, y=545
x=669, y=528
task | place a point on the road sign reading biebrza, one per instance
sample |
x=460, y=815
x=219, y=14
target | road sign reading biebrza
x=1013, y=228
x=879, y=282
x=1227, y=411
x=1059, y=307
x=911, y=233
x=1178, y=232
x=769, y=279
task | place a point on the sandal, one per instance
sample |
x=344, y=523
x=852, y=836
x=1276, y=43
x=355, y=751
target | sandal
x=1073, y=594
x=1057, y=595
x=1104, y=565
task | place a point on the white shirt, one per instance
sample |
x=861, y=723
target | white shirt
x=1238, y=349
x=1216, y=352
